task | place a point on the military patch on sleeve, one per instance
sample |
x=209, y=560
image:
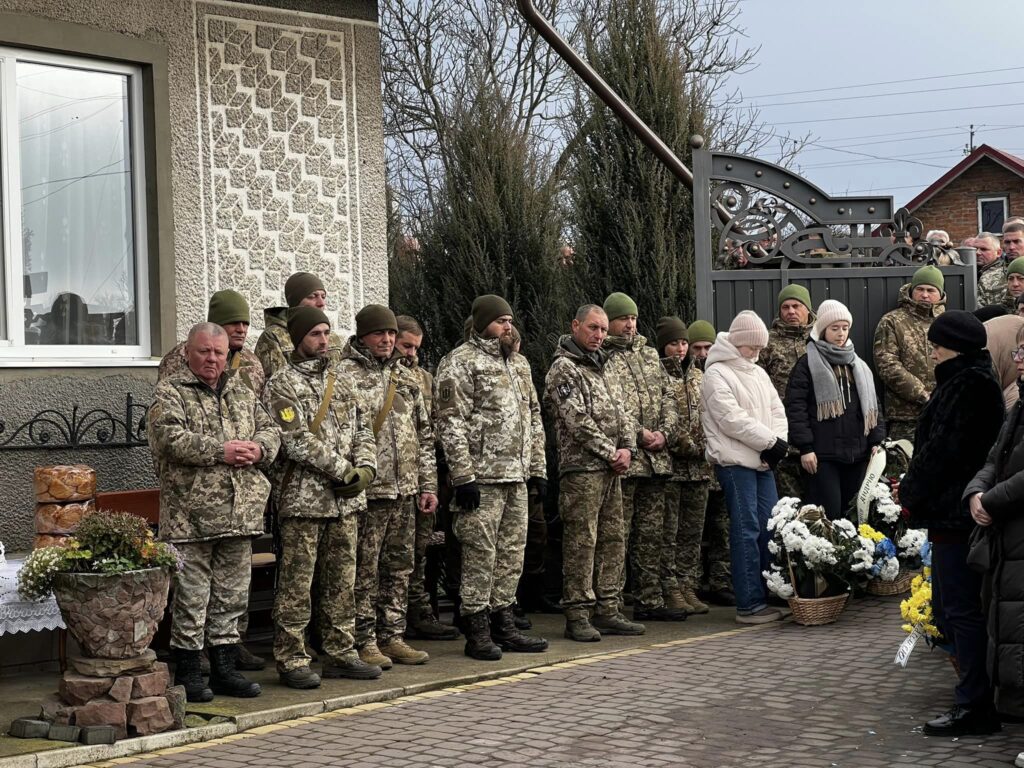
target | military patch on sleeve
x=287, y=415
x=564, y=390
x=446, y=392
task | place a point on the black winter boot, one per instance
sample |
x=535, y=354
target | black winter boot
x=478, y=638
x=509, y=638
x=225, y=678
x=188, y=672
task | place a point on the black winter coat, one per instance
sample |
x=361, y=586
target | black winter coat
x=1001, y=483
x=840, y=439
x=956, y=430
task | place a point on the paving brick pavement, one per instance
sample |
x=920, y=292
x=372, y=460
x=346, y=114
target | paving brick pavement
x=781, y=695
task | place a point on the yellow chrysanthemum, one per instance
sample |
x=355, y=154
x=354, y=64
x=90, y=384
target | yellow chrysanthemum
x=868, y=532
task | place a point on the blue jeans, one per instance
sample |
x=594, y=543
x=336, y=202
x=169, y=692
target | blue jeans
x=749, y=496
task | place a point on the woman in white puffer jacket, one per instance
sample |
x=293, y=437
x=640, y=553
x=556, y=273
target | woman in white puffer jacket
x=745, y=427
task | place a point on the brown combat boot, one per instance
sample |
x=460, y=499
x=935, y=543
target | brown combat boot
x=401, y=652
x=675, y=599
x=696, y=606
x=370, y=654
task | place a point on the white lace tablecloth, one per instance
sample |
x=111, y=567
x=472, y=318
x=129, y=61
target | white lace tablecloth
x=17, y=615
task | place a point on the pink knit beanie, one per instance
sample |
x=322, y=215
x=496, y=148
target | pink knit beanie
x=831, y=311
x=748, y=330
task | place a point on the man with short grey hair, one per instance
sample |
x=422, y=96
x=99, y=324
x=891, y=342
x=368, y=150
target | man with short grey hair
x=991, y=271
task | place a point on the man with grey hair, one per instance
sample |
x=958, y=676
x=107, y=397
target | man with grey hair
x=212, y=441
x=991, y=271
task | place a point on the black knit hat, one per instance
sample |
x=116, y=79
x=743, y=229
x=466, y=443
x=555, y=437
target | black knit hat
x=302, y=320
x=667, y=330
x=958, y=330
x=299, y=286
x=487, y=309
x=375, y=317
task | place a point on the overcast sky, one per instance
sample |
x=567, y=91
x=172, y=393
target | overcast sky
x=830, y=51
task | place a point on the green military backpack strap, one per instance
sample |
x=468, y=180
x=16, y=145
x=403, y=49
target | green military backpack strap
x=314, y=427
x=389, y=401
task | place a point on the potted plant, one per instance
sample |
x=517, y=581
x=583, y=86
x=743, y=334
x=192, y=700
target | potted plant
x=110, y=581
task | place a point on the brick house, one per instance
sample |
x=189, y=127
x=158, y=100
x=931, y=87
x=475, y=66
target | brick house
x=976, y=195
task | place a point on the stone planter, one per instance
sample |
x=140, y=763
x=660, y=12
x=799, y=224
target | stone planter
x=113, y=615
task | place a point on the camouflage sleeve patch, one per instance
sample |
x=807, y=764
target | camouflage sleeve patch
x=564, y=390
x=285, y=414
x=446, y=393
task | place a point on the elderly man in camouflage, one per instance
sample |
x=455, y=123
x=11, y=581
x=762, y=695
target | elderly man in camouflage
x=274, y=346
x=902, y=354
x=686, y=493
x=211, y=438
x=648, y=403
x=406, y=475
x=991, y=272
x=596, y=443
x=787, y=343
x=331, y=459
x=421, y=623
x=489, y=424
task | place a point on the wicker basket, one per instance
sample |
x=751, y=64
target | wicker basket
x=897, y=586
x=812, y=612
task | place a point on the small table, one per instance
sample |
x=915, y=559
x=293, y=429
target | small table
x=19, y=615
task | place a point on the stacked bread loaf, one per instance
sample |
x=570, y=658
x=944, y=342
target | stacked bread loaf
x=64, y=495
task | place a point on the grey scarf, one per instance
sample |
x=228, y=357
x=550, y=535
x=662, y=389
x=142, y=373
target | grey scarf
x=830, y=366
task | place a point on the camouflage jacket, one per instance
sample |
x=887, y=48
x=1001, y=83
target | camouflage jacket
x=786, y=345
x=274, y=346
x=488, y=415
x=201, y=497
x=583, y=402
x=345, y=440
x=243, y=363
x=686, y=444
x=647, y=399
x=426, y=382
x=405, y=443
x=902, y=359
x=992, y=285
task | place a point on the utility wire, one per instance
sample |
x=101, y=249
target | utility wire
x=882, y=82
x=900, y=114
x=882, y=95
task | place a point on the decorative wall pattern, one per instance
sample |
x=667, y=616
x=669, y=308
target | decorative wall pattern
x=281, y=173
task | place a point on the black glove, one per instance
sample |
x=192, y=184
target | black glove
x=772, y=456
x=467, y=496
x=538, y=485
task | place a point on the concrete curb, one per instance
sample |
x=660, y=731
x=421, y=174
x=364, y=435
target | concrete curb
x=239, y=724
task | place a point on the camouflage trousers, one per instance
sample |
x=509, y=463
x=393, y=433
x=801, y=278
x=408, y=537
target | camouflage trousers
x=788, y=480
x=493, y=538
x=387, y=530
x=685, y=503
x=643, y=522
x=327, y=548
x=900, y=430
x=716, y=532
x=593, y=543
x=419, y=598
x=211, y=593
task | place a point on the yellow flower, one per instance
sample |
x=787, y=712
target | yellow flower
x=868, y=532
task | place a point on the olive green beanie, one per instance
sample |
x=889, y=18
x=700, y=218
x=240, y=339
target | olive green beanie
x=227, y=307
x=487, y=309
x=667, y=330
x=928, y=276
x=797, y=292
x=619, y=305
x=299, y=286
x=302, y=320
x=375, y=317
x=701, y=331
x=1016, y=267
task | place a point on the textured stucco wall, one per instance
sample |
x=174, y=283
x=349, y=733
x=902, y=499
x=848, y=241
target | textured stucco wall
x=277, y=165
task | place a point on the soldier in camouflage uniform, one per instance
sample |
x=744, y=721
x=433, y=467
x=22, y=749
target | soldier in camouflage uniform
x=230, y=311
x=489, y=424
x=319, y=490
x=211, y=438
x=716, y=517
x=596, y=443
x=902, y=355
x=274, y=346
x=649, y=403
x=686, y=493
x=991, y=272
x=406, y=476
x=421, y=622
x=787, y=343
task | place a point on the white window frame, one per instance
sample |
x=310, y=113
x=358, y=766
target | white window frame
x=13, y=350
x=994, y=199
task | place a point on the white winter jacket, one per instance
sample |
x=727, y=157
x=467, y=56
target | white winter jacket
x=742, y=414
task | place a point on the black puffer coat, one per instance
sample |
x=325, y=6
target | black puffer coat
x=1001, y=481
x=956, y=430
x=840, y=439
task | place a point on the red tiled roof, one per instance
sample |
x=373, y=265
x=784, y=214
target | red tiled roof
x=1005, y=159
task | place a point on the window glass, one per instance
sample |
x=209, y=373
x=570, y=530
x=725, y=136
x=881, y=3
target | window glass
x=77, y=218
x=993, y=214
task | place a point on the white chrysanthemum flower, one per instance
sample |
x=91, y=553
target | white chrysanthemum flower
x=845, y=527
x=793, y=535
x=777, y=583
x=774, y=548
x=890, y=569
x=911, y=542
x=819, y=551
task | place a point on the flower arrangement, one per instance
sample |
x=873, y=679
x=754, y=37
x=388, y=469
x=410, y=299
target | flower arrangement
x=813, y=556
x=916, y=610
x=105, y=542
x=885, y=564
x=886, y=517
